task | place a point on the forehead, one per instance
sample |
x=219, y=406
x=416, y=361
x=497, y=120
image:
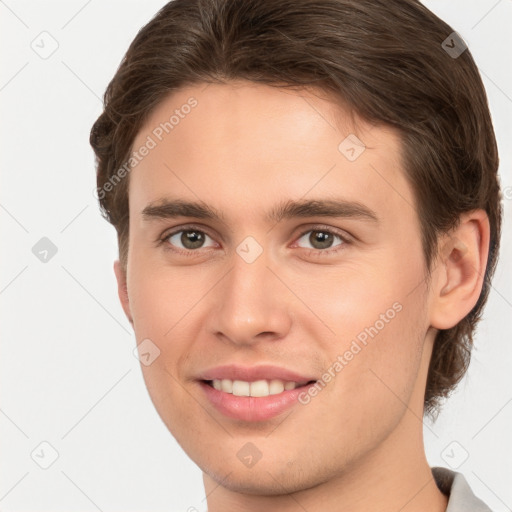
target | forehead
x=243, y=145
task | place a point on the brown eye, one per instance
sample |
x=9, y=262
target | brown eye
x=321, y=239
x=189, y=239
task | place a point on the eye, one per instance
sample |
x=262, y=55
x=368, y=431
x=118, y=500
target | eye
x=187, y=239
x=322, y=239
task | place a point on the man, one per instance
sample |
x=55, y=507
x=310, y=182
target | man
x=308, y=216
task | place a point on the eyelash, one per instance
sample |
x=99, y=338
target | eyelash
x=162, y=241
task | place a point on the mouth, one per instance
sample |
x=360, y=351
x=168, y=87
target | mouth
x=253, y=401
x=253, y=393
x=258, y=388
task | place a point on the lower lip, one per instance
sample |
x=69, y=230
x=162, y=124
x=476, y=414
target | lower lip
x=250, y=408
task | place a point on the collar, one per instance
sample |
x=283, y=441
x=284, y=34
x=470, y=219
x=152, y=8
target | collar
x=460, y=496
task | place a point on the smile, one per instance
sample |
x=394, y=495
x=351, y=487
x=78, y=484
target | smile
x=258, y=388
x=256, y=401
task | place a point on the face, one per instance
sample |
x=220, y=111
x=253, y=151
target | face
x=304, y=264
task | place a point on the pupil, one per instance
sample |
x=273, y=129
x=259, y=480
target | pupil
x=321, y=238
x=192, y=239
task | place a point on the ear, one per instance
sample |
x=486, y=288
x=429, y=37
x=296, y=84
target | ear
x=460, y=270
x=122, y=290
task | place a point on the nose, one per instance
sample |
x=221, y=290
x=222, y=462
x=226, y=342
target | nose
x=251, y=303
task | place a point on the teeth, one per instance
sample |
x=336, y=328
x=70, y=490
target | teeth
x=257, y=388
x=277, y=386
x=241, y=388
x=226, y=385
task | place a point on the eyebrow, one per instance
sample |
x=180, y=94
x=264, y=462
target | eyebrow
x=167, y=209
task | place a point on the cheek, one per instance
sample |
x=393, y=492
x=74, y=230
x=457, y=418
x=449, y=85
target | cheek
x=163, y=309
x=161, y=299
x=379, y=319
x=358, y=298
x=162, y=305
x=381, y=359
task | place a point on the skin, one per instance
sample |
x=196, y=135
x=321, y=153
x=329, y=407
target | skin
x=244, y=148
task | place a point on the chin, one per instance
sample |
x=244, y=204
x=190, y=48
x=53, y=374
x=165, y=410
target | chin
x=264, y=479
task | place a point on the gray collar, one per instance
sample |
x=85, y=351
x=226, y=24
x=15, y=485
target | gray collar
x=460, y=496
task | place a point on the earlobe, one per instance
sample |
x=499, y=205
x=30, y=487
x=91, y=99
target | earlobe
x=460, y=270
x=122, y=289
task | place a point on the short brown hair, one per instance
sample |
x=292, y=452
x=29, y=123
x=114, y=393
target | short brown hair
x=382, y=58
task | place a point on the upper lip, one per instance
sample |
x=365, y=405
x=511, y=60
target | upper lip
x=253, y=373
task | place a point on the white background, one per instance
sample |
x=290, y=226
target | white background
x=68, y=374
